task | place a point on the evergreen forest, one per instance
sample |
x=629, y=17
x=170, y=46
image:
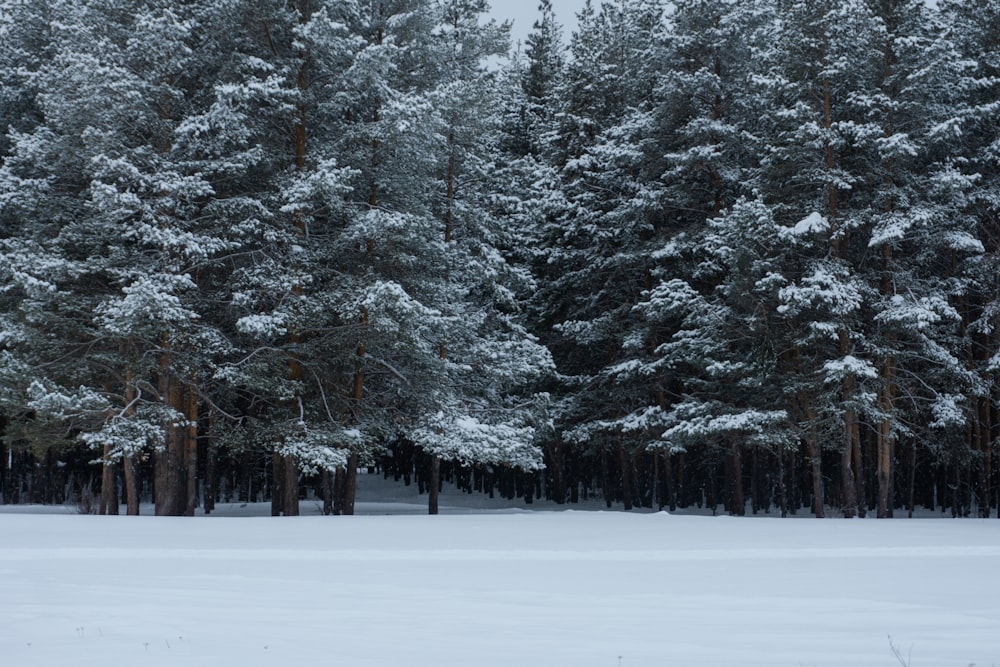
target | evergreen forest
x=741, y=255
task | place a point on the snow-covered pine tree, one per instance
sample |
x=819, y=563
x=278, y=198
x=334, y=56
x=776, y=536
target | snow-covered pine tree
x=419, y=285
x=94, y=169
x=528, y=194
x=815, y=75
x=927, y=254
x=974, y=28
x=691, y=321
x=140, y=165
x=544, y=60
x=596, y=248
x=491, y=358
x=288, y=382
x=720, y=363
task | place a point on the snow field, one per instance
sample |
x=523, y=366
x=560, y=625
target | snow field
x=552, y=589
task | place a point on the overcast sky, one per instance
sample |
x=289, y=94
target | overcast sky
x=525, y=12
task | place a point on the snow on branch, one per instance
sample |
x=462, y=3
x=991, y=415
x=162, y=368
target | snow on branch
x=468, y=440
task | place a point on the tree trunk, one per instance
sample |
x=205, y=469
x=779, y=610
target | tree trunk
x=556, y=453
x=737, y=501
x=210, y=474
x=605, y=477
x=435, y=485
x=782, y=488
x=668, y=478
x=911, y=478
x=211, y=465
x=683, y=494
x=985, y=476
x=170, y=460
x=327, y=484
x=847, y=480
x=287, y=479
x=815, y=466
x=109, y=484
x=351, y=483
x=290, y=487
x=859, y=476
x=626, y=482
x=128, y=461
x=191, y=452
x=885, y=438
x=848, y=474
x=885, y=443
x=277, y=483
x=338, y=491
x=131, y=485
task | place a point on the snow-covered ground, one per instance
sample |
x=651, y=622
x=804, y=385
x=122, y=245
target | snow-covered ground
x=493, y=588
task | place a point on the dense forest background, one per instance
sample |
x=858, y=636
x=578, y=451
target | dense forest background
x=727, y=254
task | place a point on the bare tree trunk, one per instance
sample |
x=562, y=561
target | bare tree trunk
x=351, y=483
x=277, y=483
x=131, y=485
x=558, y=471
x=287, y=478
x=210, y=484
x=815, y=466
x=211, y=461
x=128, y=461
x=738, y=501
x=848, y=474
x=605, y=477
x=668, y=476
x=912, y=478
x=350, y=487
x=435, y=485
x=624, y=465
x=885, y=443
x=782, y=487
x=327, y=484
x=985, y=471
x=170, y=460
x=859, y=477
x=290, y=487
x=338, y=491
x=847, y=480
x=109, y=484
x=191, y=451
x=885, y=438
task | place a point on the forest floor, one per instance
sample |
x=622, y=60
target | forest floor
x=486, y=585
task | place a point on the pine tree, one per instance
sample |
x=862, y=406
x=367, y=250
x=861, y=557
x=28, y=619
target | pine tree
x=136, y=212
x=823, y=62
x=691, y=322
x=926, y=185
x=597, y=246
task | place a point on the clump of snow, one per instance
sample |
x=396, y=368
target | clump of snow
x=813, y=223
x=849, y=365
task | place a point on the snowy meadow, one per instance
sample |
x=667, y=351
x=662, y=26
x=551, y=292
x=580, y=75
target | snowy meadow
x=494, y=587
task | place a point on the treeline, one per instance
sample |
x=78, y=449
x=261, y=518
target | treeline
x=712, y=253
x=257, y=229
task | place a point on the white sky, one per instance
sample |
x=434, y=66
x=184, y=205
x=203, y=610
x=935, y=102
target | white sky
x=525, y=12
